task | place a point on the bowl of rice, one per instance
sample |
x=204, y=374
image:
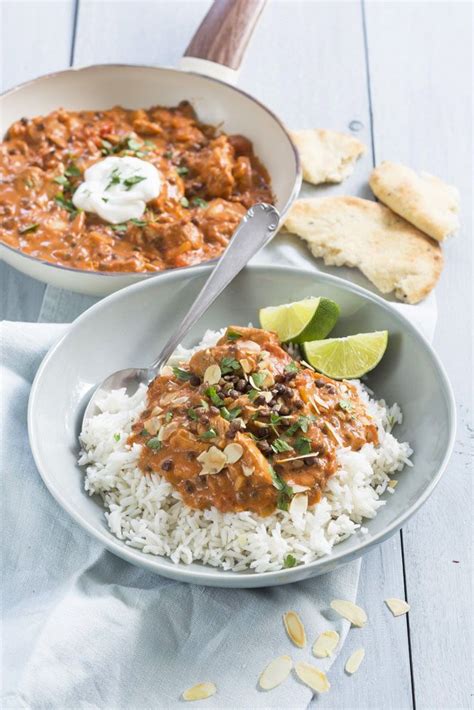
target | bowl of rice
x=96, y=476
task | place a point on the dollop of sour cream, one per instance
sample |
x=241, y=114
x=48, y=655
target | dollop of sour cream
x=117, y=189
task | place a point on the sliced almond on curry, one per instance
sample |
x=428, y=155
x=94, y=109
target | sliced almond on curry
x=247, y=470
x=276, y=672
x=294, y=628
x=312, y=676
x=354, y=661
x=152, y=425
x=325, y=644
x=200, y=691
x=213, y=460
x=233, y=452
x=212, y=374
x=350, y=611
x=398, y=607
x=246, y=365
x=298, y=506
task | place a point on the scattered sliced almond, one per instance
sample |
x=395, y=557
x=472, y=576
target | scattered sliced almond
x=325, y=643
x=246, y=365
x=297, y=488
x=233, y=452
x=269, y=380
x=294, y=628
x=252, y=382
x=296, y=458
x=298, y=505
x=397, y=606
x=168, y=397
x=212, y=375
x=213, y=460
x=354, y=661
x=166, y=431
x=267, y=396
x=152, y=425
x=275, y=673
x=156, y=410
x=250, y=346
x=201, y=691
x=247, y=470
x=333, y=433
x=350, y=611
x=312, y=676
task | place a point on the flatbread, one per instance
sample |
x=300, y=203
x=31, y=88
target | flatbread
x=423, y=199
x=326, y=156
x=350, y=231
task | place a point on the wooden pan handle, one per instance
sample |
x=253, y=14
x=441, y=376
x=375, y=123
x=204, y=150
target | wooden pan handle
x=224, y=33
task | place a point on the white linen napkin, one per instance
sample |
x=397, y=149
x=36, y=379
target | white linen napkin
x=83, y=629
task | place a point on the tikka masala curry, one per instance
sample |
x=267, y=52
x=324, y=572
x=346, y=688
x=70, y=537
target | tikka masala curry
x=209, y=180
x=244, y=427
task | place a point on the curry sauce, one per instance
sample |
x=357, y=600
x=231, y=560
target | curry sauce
x=243, y=426
x=209, y=179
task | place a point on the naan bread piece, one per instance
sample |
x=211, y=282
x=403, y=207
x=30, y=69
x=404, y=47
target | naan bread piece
x=326, y=156
x=423, y=199
x=350, y=231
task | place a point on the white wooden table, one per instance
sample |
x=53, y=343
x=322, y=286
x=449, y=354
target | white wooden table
x=398, y=75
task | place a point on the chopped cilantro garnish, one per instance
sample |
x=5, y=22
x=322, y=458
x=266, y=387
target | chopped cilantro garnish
x=290, y=561
x=144, y=432
x=199, y=202
x=211, y=392
x=28, y=228
x=114, y=178
x=107, y=147
x=138, y=222
x=168, y=154
x=133, y=144
x=182, y=374
x=168, y=416
x=209, y=434
x=252, y=394
x=66, y=204
x=72, y=170
x=154, y=443
x=62, y=180
x=258, y=379
x=232, y=334
x=192, y=414
x=133, y=180
x=345, y=405
x=120, y=227
x=301, y=423
x=117, y=437
x=184, y=202
x=279, y=446
x=230, y=414
x=291, y=367
x=285, y=492
x=229, y=364
x=303, y=445
x=182, y=170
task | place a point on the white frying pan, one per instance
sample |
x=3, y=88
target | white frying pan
x=208, y=70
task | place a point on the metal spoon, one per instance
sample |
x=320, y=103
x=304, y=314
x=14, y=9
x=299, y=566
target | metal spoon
x=255, y=230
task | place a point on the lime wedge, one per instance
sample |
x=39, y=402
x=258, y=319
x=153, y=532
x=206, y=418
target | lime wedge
x=347, y=358
x=310, y=319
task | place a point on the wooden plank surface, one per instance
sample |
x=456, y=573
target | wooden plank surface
x=338, y=97
x=26, y=53
x=421, y=79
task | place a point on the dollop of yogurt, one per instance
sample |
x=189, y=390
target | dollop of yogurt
x=117, y=189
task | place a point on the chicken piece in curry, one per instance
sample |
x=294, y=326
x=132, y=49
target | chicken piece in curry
x=243, y=426
x=209, y=180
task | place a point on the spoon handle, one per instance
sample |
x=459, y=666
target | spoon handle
x=254, y=231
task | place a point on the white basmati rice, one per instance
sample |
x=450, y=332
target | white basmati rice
x=147, y=513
